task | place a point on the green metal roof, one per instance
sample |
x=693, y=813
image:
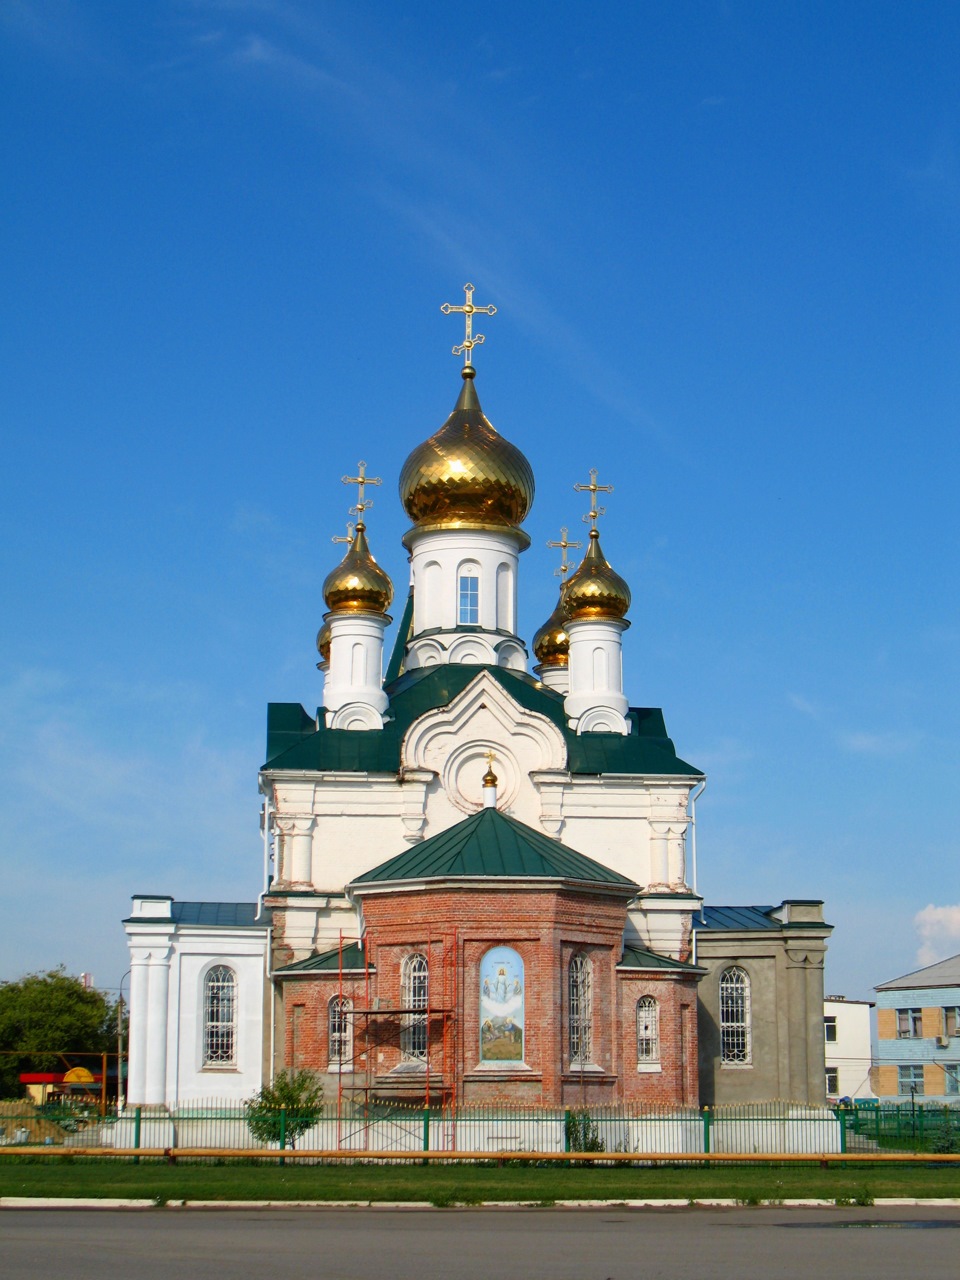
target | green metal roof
x=640, y=958
x=330, y=961
x=297, y=741
x=490, y=844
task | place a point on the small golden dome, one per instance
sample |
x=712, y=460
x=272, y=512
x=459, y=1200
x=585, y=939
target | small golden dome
x=357, y=584
x=595, y=590
x=466, y=475
x=323, y=643
x=551, y=644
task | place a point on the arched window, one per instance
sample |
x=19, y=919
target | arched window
x=581, y=1010
x=648, y=1030
x=414, y=991
x=468, y=595
x=340, y=1033
x=734, y=1016
x=220, y=1017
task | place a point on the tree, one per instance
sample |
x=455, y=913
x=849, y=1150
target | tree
x=302, y=1097
x=44, y=1015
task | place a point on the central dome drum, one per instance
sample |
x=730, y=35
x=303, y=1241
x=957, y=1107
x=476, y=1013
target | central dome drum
x=467, y=475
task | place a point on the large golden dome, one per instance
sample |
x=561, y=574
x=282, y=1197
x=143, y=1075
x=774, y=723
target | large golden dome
x=357, y=584
x=594, y=590
x=551, y=644
x=466, y=475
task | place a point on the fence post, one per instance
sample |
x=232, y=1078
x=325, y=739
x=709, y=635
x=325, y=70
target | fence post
x=426, y=1128
x=920, y=1140
x=842, y=1117
x=706, y=1131
x=136, y=1133
x=567, y=1126
x=283, y=1132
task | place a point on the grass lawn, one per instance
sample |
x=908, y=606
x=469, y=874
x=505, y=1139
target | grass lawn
x=447, y=1184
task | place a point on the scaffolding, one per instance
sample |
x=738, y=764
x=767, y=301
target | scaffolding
x=363, y=1090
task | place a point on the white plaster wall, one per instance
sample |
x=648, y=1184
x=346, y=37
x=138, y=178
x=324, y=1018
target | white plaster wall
x=851, y=1054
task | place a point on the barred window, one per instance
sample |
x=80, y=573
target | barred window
x=414, y=988
x=581, y=1011
x=735, y=1047
x=833, y=1081
x=339, y=1032
x=910, y=1079
x=220, y=1017
x=648, y=1030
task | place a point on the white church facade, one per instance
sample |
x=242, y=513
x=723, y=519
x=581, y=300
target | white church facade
x=478, y=876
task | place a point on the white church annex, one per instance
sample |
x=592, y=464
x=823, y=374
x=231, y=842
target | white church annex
x=479, y=882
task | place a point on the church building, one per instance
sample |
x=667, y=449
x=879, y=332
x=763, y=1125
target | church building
x=478, y=881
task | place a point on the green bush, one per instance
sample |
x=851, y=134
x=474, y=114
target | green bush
x=582, y=1133
x=285, y=1108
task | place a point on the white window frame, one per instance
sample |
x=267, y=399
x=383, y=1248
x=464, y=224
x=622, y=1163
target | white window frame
x=829, y=1024
x=414, y=997
x=468, y=596
x=580, y=1010
x=832, y=1075
x=648, y=1033
x=219, y=1050
x=339, y=1034
x=736, y=1038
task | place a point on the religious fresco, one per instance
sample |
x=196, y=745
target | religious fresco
x=501, y=1006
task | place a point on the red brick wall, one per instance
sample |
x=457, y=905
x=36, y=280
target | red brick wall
x=454, y=928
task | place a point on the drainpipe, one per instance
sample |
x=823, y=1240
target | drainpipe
x=695, y=795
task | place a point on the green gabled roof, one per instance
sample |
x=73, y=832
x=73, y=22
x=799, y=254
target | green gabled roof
x=490, y=844
x=640, y=958
x=330, y=961
x=296, y=740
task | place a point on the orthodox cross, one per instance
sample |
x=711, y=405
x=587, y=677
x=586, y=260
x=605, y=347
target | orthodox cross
x=593, y=489
x=361, y=479
x=468, y=311
x=349, y=537
x=490, y=757
x=563, y=544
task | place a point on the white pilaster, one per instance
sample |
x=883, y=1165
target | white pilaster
x=137, y=1064
x=596, y=702
x=353, y=689
x=158, y=983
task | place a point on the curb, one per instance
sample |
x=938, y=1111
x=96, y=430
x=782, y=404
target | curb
x=88, y=1202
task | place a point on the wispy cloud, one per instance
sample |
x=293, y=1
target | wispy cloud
x=885, y=743
x=939, y=930
x=804, y=706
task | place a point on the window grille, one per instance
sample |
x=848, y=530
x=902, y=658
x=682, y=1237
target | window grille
x=469, y=599
x=833, y=1081
x=340, y=1031
x=951, y=1077
x=910, y=1080
x=581, y=1010
x=648, y=1030
x=735, y=1044
x=220, y=1017
x=414, y=993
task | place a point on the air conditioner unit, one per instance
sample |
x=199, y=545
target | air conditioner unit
x=943, y=1042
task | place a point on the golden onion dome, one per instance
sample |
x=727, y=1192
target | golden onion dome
x=323, y=643
x=357, y=584
x=551, y=644
x=594, y=590
x=467, y=475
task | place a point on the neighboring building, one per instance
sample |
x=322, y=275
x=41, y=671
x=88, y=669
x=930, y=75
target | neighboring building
x=918, y=1033
x=480, y=883
x=847, y=1047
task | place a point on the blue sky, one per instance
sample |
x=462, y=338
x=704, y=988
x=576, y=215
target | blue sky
x=723, y=241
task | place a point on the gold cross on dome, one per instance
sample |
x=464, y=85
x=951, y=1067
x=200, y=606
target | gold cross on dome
x=348, y=538
x=563, y=544
x=361, y=479
x=593, y=489
x=468, y=310
x=490, y=757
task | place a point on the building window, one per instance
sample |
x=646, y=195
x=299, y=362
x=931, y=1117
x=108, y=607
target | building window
x=830, y=1030
x=648, y=1030
x=734, y=1017
x=951, y=1020
x=340, y=1032
x=468, y=607
x=951, y=1077
x=581, y=1011
x=833, y=1081
x=220, y=1017
x=414, y=984
x=909, y=1024
x=910, y=1079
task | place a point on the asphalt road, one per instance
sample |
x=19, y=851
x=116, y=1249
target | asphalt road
x=480, y=1244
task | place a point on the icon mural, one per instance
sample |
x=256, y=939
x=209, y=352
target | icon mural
x=501, y=1006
